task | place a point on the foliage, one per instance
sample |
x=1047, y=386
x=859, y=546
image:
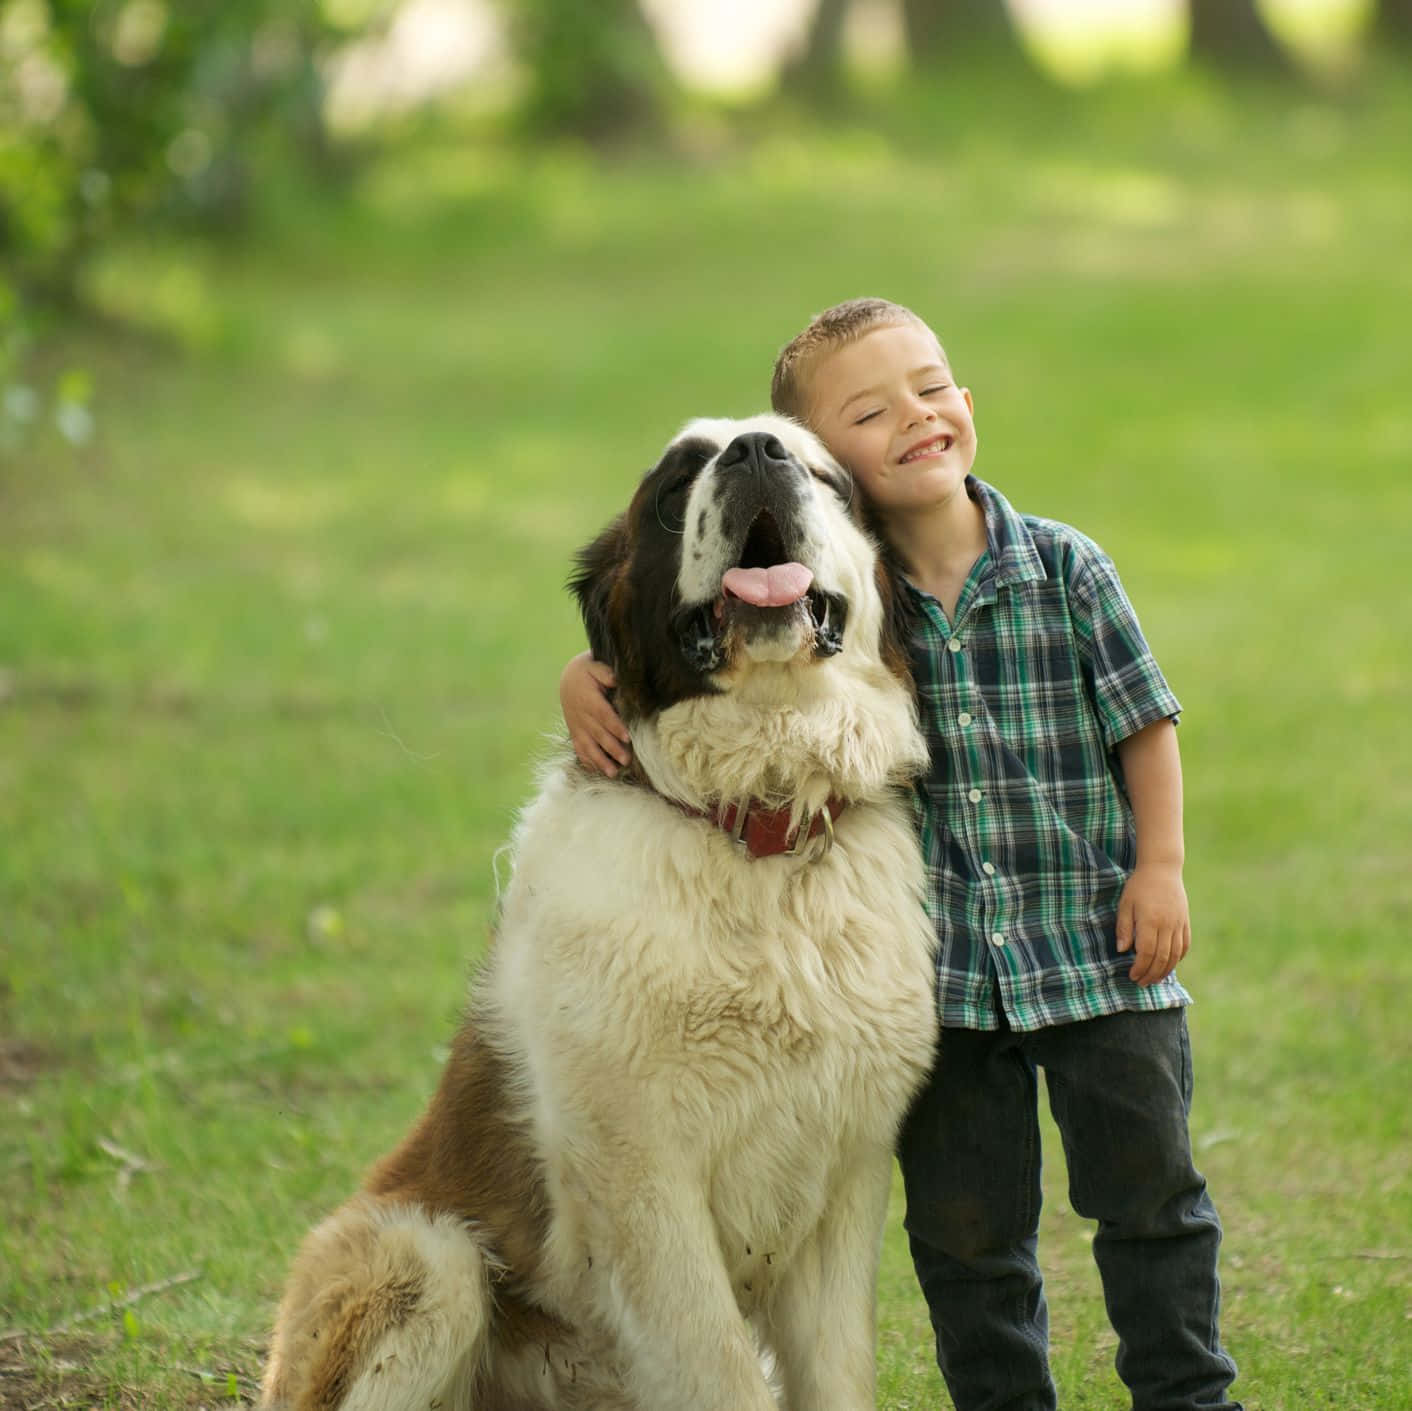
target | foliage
x=138, y=110
x=1232, y=33
x=938, y=28
x=128, y=113
x=594, y=70
x=1394, y=23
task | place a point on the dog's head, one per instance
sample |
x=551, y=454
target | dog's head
x=743, y=550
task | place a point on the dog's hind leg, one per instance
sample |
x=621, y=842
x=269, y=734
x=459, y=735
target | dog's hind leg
x=387, y=1309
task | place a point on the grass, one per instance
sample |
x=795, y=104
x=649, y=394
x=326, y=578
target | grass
x=279, y=652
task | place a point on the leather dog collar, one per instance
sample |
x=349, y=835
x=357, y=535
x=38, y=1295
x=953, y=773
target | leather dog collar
x=765, y=832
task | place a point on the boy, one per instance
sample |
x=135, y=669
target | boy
x=1050, y=820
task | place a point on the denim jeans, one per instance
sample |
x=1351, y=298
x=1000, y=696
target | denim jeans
x=1120, y=1091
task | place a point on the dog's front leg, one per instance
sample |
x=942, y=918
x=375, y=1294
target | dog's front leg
x=661, y=1285
x=821, y=1318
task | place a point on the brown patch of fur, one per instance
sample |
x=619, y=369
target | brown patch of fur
x=360, y=1324
x=335, y=1311
x=520, y=1323
x=600, y=567
x=469, y=1156
x=897, y=623
x=629, y=667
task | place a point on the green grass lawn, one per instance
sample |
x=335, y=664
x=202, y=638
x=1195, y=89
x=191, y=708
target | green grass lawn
x=278, y=655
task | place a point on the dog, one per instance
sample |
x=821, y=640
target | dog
x=655, y=1173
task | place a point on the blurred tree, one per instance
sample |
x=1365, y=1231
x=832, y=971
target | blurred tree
x=119, y=111
x=819, y=64
x=595, y=70
x=1231, y=34
x=938, y=28
x=934, y=30
x=1394, y=22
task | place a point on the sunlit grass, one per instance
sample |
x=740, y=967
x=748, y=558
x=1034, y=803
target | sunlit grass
x=278, y=653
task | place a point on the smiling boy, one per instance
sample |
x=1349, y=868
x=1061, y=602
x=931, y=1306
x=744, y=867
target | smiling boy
x=1050, y=822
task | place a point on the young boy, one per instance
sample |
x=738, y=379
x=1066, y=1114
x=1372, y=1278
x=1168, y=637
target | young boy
x=1050, y=820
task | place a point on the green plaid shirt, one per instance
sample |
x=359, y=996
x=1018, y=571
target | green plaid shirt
x=1025, y=826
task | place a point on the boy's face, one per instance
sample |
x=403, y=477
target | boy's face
x=888, y=408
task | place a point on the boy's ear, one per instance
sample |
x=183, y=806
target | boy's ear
x=600, y=565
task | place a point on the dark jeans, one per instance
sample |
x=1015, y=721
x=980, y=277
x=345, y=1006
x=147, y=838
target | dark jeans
x=1120, y=1091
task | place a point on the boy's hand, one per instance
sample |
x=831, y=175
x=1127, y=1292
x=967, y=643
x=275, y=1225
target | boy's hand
x=1153, y=921
x=599, y=737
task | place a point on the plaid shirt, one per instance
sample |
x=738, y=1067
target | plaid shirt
x=1025, y=825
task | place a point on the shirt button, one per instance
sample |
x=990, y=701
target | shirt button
x=996, y=938
x=964, y=718
x=953, y=645
x=988, y=868
x=974, y=796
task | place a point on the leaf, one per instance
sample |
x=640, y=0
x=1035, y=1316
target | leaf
x=75, y=385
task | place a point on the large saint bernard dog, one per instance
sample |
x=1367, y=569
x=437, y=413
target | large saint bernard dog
x=659, y=1157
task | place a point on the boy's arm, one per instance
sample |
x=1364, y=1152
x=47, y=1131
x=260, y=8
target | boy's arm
x=598, y=735
x=1153, y=919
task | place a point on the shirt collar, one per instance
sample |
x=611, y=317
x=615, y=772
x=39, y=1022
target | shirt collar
x=1013, y=555
x=1010, y=546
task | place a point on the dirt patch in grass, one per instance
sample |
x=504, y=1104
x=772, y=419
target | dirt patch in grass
x=23, y=1063
x=40, y=1372
x=69, y=1370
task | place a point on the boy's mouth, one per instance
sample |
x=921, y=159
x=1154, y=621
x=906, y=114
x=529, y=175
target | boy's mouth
x=934, y=447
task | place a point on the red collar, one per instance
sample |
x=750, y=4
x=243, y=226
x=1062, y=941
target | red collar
x=764, y=832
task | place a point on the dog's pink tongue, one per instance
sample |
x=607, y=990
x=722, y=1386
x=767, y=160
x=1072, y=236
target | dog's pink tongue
x=773, y=587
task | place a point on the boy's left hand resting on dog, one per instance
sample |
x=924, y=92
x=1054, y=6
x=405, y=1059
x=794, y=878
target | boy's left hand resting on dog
x=597, y=733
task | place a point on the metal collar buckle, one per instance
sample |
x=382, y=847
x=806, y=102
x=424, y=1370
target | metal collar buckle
x=806, y=831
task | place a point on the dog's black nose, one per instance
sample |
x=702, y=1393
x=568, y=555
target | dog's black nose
x=754, y=450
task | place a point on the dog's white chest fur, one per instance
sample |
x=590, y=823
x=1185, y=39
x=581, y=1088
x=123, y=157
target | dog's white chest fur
x=673, y=997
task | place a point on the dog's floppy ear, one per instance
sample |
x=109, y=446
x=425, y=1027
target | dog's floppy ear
x=599, y=566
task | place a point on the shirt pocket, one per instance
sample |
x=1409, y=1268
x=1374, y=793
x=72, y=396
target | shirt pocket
x=1038, y=695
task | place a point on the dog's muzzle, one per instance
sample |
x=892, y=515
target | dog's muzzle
x=761, y=499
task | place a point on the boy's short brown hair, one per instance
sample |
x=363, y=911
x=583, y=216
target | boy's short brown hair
x=844, y=323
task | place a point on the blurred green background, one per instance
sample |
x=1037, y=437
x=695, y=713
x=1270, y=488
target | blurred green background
x=330, y=328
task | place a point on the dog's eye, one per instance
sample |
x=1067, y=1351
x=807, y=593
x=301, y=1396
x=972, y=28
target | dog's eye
x=671, y=502
x=839, y=481
x=675, y=475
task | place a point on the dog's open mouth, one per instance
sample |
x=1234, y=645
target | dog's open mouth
x=763, y=594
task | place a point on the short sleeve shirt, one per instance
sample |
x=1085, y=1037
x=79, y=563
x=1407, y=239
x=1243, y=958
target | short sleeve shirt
x=1025, y=825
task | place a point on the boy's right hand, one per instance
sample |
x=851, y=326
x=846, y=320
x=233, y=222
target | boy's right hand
x=598, y=735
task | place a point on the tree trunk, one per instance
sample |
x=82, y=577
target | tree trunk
x=596, y=71
x=1393, y=25
x=1231, y=34
x=936, y=28
x=819, y=64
